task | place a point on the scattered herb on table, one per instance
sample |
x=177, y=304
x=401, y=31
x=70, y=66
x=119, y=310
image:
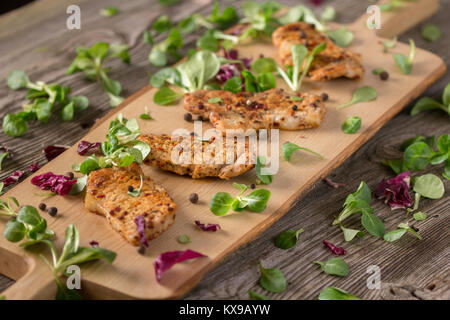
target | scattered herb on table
x=419, y=152
x=215, y=100
x=431, y=32
x=213, y=227
x=425, y=103
x=395, y=191
x=389, y=44
x=339, y=251
x=363, y=94
x=91, y=61
x=334, y=266
x=43, y=99
x=272, y=279
x=288, y=149
x=167, y=260
x=396, y=234
x=256, y=201
x=60, y=184
x=419, y=216
x=351, y=125
x=169, y=46
x=429, y=186
x=162, y=24
x=350, y=234
x=256, y=296
x=234, y=84
x=259, y=167
x=406, y=63
x=146, y=115
x=288, y=239
x=264, y=65
x=333, y=293
x=109, y=11
x=3, y=156
x=184, y=239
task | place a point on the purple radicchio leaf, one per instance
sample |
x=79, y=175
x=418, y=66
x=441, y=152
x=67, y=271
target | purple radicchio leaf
x=316, y=2
x=207, y=227
x=51, y=152
x=140, y=225
x=94, y=244
x=13, y=178
x=86, y=146
x=167, y=260
x=59, y=184
x=333, y=184
x=395, y=191
x=33, y=167
x=336, y=250
x=232, y=69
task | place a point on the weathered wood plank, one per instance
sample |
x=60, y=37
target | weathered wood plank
x=421, y=272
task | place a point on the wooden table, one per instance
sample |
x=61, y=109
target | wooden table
x=35, y=39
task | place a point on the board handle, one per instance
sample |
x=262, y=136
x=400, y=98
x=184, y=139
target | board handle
x=36, y=283
x=399, y=19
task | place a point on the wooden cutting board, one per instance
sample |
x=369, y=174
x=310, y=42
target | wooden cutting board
x=132, y=275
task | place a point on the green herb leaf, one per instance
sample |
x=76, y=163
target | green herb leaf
x=256, y=296
x=406, y=63
x=260, y=163
x=162, y=24
x=136, y=192
x=288, y=149
x=266, y=81
x=17, y=79
x=425, y=104
x=184, y=239
x=170, y=75
x=429, y=186
x=157, y=57
x=67, y=112
x=165, y=96
x=394, y=235
x=264, y=65
x=14, y=125
x=288, y=239
x=3, y=156
x=417, y=156
x=431, y=32
x=333, y=293
x=377, y=71
x=220, y=203
x=350, y=234
x=234, y=84
x=419, y=216
x=14, y=230
x=329, y=14
x=272, y=279
x=109, y=11
x=257, y=200
x=147, y=37
x=351, y=125
x=79, y=186
x=342, y=37
x=215, y=100
x=372, y=224
x=363, y=94
x=335, y=267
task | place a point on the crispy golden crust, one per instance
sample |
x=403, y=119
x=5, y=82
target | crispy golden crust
x=107, y=194
x=333, y=62
x=210, y=161
x=274, y=108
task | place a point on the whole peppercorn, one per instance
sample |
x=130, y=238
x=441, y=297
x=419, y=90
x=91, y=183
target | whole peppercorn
x=52, y=211
x=42, y=206
x=253, y=186
x=384, y=75
x=200, y=118
x=70, y=175
x=130, y=189
x=324, y=96
x=188, y=117
x=294, y=107
x=141, y=249
x=193, y=198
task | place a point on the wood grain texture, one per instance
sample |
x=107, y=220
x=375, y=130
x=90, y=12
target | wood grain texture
x=411, y=275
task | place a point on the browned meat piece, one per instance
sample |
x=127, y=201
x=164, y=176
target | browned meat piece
x=274, y=108
x=173, y=155
x=107, y=194
x=333, y=62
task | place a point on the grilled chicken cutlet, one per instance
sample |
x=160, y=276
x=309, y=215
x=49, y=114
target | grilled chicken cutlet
x=211, y=160
x=274, y=108
x=333, y=62
x=107, y=194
